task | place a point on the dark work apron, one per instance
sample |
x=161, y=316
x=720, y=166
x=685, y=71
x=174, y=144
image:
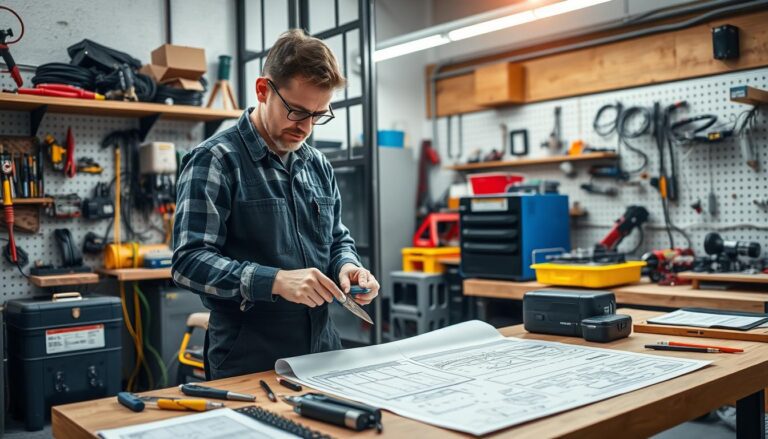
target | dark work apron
x=272, y=221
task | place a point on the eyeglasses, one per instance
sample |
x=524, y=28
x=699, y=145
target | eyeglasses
x=299, y=115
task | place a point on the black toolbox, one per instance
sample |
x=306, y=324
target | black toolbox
x=61, y=350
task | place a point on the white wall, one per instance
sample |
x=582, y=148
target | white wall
x=400, y=81
x=136, y=27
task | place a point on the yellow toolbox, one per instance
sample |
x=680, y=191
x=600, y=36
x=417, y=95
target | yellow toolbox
x=588, y=275
x=427, y=259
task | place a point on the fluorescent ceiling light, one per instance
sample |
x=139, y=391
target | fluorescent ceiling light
x=564, y=7
x=410, y=47
x=483, y=27
x=492, y=25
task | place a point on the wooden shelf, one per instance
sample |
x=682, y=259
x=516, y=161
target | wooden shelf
x=147, y=112
x=533, y=161
x=732, y=278
x=45, y=200
x=62, y=280
x=643, y=293
x=131, y=274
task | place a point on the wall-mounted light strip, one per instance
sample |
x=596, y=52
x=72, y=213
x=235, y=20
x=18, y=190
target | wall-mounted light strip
x=444, y=36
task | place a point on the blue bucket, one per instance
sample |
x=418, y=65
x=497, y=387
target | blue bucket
x=391, y=138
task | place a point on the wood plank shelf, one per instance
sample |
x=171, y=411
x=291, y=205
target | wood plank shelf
x=730, y=278
x=147, y=112
x=136, y=274
x=63, y=280
x=44, y=200
x=533, y=161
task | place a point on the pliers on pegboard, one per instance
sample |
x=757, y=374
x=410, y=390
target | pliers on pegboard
x=70, y=168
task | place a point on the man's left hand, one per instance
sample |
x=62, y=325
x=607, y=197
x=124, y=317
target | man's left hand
x=351, y=274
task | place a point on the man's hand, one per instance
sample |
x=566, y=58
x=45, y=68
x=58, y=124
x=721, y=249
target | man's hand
x=351, y=274
x=308, y=286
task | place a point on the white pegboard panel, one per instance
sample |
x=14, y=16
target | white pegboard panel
x=736, y=186
x=88, y=132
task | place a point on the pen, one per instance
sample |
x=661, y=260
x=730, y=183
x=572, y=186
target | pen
x=660, y=347
x=266, y=388
x=209, y=392
x=693, y=345
x=289, y=384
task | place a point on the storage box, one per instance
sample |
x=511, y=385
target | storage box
x=181, y=61
x=154, y=71
x=185, y=84
x=493, y=182
x=589, y=276
x=61, y=352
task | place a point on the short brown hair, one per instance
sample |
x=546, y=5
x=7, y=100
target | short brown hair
x=297, y=54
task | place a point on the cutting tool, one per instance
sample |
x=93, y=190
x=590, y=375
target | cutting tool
x=353, y=307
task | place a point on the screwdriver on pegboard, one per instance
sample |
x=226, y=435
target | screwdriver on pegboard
x=7, y=167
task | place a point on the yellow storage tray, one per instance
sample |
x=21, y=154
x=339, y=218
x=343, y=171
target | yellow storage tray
x=427, y=259
x=589, y=276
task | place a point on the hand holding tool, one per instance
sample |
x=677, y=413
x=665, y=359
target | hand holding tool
x=209, y=392
x=353, y=307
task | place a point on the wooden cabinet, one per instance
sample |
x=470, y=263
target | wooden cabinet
x=500, y=84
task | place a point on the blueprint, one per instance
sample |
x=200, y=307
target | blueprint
x=470, y=378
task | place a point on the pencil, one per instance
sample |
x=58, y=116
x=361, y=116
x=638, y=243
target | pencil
x=693, y=345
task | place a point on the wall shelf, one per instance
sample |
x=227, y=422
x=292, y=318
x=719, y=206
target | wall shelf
x=63, y=280
x=44, y=200
x=147, y=113
x=533, y=161
x=135, y=274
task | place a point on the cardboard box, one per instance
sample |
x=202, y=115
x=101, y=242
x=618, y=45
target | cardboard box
x=185, y=84
x=181, y=61
x=154, y=71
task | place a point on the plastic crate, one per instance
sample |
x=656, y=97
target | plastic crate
x=589, y=276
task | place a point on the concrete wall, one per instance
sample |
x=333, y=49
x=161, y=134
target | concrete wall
x=136, y=27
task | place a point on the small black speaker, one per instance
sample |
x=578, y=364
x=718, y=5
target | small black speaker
x=725, y=42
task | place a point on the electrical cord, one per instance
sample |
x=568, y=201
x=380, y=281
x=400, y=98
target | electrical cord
x=61, y=73
x=620, y=124
x=171, y=95
x=147, y=345
x=144, y=86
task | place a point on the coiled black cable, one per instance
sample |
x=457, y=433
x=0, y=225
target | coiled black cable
x=177, y=96
x=61, y=73
x=144, y=86
x=624, y=132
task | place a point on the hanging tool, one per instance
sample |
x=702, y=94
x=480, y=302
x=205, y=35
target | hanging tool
x=70, y=169
x=449, y=149
x=88, y=165
x=56, y=152
x=554, y=142
x=7, y=168
x=5, y=52
x=633, y=217
x=428, y=158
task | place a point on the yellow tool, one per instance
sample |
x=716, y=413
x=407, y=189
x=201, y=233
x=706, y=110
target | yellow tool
x=56, y=152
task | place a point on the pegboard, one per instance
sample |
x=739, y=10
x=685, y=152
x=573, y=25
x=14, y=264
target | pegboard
x=735, y=185
x=88, y=132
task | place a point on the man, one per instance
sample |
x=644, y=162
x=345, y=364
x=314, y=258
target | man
x=258, y=230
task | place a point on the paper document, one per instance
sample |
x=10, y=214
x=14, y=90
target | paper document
x=683, y=317
x=215, y=424
x=470, y=378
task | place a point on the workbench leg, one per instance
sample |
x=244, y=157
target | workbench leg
x=750, y=416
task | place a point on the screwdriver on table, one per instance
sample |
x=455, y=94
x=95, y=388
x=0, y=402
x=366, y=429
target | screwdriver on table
x=209, y=392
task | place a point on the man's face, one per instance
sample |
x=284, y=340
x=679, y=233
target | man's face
x=299, y=94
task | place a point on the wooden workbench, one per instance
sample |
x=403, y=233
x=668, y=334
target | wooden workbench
x=643, y=294
x=640, y=413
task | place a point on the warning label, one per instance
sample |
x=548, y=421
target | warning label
x=74, y=339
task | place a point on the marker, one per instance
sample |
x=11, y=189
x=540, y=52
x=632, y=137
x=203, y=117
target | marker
x=266, y=388
x=660, y=347
x=209, y=392
x=289, y=384
x=693, y=345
